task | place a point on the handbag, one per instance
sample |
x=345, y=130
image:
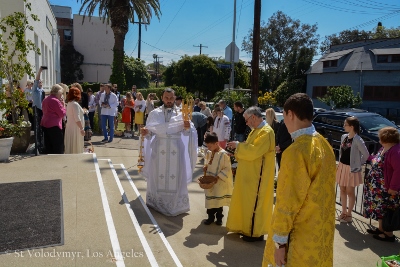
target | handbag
x=391, y=220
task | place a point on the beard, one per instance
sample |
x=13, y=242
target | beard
x=168, y=104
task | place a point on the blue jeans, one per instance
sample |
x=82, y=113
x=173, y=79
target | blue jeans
x=110, y=119
x=239, y=137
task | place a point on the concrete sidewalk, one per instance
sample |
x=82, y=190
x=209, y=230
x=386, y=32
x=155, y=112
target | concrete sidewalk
x=173, y=241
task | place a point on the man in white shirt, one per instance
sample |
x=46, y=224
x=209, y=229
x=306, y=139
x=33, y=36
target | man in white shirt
x=109, y=103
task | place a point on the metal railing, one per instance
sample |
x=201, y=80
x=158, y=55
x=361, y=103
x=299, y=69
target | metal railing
x=359, y=203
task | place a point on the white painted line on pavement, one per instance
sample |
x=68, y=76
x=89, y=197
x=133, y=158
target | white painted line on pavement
x=135, y=222
x=107, y=213
x=157, y=227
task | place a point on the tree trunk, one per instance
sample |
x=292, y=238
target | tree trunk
x=119, y=16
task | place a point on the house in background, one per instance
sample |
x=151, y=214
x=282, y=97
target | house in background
x=63, y=16
x=93, y=39
x=44, y=36
x=370, y=67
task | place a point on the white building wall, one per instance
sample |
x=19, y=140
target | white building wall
x=95, y=41
x=42, y=35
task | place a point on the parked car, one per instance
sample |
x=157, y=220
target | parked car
x=330, y=125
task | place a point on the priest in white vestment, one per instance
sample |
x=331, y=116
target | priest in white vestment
x=170, y=153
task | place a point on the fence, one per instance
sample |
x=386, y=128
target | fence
x=358, y=206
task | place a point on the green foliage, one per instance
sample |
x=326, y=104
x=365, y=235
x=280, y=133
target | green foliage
x=179, y=91
x=231, y=97
x=348, y=36
x=71, y=61
x=279, y=39
x=161, y=67
x=135, y=73
x=341, y=97
x=15, y=50
x=288, y=88
x=94, y=86
x=201, y=76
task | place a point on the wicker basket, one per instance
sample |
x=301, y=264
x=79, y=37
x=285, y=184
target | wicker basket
x=207, y=182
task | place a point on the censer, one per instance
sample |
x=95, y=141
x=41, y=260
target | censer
x=140, y=163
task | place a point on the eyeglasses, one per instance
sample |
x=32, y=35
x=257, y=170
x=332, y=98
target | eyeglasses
x=245, y=120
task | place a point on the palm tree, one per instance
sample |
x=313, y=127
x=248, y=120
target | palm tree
x=120, y=13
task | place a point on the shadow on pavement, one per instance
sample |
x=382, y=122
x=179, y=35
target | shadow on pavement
x=357, y=238
x=205, y=234
x=236, y=252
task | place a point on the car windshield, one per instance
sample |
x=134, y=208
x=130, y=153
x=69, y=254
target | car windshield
x=375, y=123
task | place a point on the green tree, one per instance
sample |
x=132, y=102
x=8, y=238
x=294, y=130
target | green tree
x=120, y=13
x=200, y=74
x=14, y=51
x=136, y=73
x=348, y=36
x=288, y=88
x=341, y=97
x=71, y=61
x=381, y=32
x=168, y=74
x=278, y=39
x=231, y=97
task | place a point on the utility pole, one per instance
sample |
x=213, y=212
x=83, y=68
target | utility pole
x=200, y=47
x=156, y=66
x=255, y=62
x=140, y=35
x=232, y=78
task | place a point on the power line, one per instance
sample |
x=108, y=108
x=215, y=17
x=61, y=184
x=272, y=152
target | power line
x=347, y=10
x=161, y=49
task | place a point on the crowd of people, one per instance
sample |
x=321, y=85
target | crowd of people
x=301, y=225
x=65, y=119
x=300, y=221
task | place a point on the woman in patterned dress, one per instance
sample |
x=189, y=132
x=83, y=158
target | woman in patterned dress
x=377, y=198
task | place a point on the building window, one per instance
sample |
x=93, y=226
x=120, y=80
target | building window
x=382, y=59
x=68, y=35
x=396, y=58
x=330, y=63
x=319, y=91
x=382, y=93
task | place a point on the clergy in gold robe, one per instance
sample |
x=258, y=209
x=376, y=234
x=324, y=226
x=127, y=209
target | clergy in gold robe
x=250, y=211
x=303, y=223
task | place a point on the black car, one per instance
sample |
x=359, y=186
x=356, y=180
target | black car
x=330, y=125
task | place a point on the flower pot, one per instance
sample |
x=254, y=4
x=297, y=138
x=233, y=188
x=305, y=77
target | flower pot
x=21, y=143
x=5, y=147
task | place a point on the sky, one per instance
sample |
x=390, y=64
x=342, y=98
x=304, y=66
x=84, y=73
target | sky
x=185, y=24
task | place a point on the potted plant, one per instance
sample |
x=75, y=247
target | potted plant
x=15, y=50
x=12, y=135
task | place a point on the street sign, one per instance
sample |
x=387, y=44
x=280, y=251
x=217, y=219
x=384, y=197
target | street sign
x=235, y=53
x=224, y=66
